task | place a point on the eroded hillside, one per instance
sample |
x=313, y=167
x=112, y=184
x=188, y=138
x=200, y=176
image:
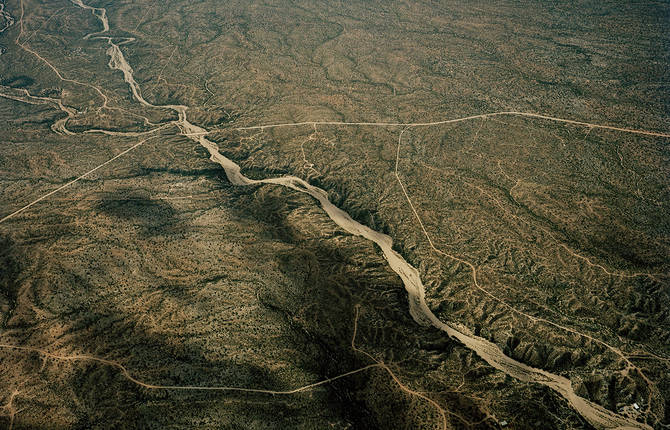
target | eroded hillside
x=515, y=153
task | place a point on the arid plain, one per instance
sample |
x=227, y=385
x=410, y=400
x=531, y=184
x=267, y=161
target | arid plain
x=304, y=214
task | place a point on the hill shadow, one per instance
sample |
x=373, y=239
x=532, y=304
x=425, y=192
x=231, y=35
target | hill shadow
x=154, y=216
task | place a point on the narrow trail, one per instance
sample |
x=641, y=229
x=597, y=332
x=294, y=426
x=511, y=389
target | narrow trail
x=77, y=179
x=457, y=120
x=473, y=270
x=124, y=371
x=598, y=416
x=27, y=48
x=126, y=374
x=11, y=409
x=442, y=412
x=489, y=352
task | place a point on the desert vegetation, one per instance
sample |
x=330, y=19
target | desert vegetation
x=516, y=154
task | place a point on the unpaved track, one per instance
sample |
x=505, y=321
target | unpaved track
x=598, y=416
x=456, y=120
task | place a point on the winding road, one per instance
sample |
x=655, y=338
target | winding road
x=596, y=415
